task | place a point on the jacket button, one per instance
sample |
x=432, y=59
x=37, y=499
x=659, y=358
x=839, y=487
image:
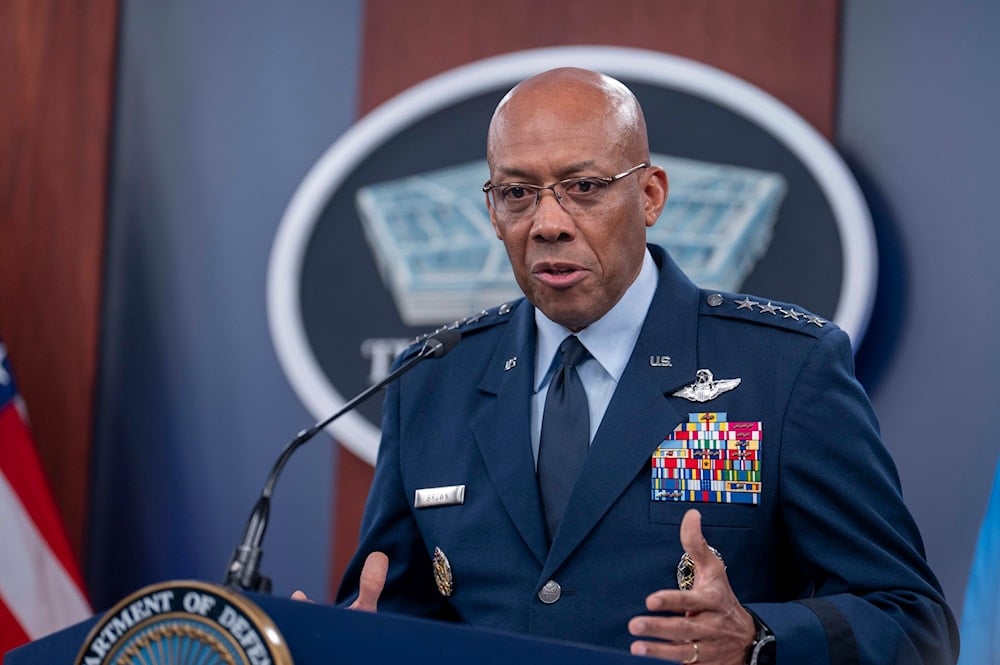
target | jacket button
x=550, y=593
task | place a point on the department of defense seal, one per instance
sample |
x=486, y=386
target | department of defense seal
x=184, y=623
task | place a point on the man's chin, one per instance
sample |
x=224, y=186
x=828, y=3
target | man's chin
x=574, y=318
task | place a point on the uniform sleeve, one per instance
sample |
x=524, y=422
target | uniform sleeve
x=874, y=598
x=388, y=526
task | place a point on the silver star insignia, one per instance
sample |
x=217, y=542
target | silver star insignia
x=815, y=320
x=769, y=309
x=475, y=317
x=746, y=303
x=706, y=387
x=790, y=314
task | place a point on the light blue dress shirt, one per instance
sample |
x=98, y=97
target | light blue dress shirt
x=610, y=341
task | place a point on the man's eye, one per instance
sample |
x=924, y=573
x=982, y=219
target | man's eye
x=514, y=192
x=584, y=187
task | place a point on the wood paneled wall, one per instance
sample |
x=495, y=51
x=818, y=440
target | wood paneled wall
x=56, y=88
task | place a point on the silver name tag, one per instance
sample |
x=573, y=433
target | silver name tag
x=431, y=497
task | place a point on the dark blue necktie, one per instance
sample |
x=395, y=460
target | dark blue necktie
x=565, y=436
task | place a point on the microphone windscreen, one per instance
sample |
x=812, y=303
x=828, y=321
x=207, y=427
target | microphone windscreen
x=443, y=342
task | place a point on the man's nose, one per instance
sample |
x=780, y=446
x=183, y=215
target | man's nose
x=551, y=221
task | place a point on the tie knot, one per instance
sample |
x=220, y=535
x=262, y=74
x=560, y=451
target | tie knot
x=572, y=351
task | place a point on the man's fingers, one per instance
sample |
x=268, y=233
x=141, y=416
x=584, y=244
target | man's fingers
x=681, y=602
x=373, y=576
x=672, y=628
x=692, y=539
x=300, y=595
x=679, y=652
x=707, y=565
x=709, y=625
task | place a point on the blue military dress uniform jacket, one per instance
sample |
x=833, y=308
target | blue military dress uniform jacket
x=829, y=557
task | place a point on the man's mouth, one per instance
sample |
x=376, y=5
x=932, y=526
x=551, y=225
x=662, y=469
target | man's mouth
x=558, y=275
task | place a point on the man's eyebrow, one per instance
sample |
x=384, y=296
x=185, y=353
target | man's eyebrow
x=510, y=172
x=527, y=177
x=577, y=168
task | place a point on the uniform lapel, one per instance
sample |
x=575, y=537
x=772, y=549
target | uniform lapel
x=502, y=428
x=640, y=414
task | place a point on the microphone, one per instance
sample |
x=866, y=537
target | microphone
x=242, y=572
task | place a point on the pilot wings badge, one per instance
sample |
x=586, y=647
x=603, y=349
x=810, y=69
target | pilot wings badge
x=706, y=387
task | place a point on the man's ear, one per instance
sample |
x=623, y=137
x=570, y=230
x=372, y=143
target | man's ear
x=655, y=193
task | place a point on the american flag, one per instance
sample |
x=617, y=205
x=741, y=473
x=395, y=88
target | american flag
x=41, y=590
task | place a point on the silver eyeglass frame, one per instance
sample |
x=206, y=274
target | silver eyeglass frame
x=538, y=189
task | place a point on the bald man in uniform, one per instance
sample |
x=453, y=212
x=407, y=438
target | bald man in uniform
x=811, y=557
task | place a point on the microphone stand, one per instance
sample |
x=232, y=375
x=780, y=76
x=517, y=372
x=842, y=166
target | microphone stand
x=242, y=573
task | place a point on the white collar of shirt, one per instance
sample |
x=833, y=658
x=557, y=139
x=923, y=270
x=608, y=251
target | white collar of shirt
x=611, y=338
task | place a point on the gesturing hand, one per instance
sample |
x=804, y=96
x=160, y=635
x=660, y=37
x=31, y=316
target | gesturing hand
x=373, y=575
x=712, y=627
x=372, y=582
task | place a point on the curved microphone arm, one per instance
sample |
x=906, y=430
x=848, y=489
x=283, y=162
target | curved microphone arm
x=243, y=569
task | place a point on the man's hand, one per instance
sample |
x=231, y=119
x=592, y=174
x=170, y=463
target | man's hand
x=372, y=582
x=373, y=575
x=713, y=628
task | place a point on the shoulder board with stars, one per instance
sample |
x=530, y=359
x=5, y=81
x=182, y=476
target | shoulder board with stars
x=486, y=318
x=762, y=310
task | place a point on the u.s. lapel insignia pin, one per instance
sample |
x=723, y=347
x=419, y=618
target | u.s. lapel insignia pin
x=510, y=364
x=706, y=387
x=442, y=573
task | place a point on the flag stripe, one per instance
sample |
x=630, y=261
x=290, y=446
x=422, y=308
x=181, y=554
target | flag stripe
x=40, y=585
x=33, y=582
x=20, y=464
x=11, y=633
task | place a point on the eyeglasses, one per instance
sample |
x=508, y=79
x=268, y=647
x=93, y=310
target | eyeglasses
x=577, y=196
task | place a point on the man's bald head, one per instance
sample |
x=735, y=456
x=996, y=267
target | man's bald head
x=575, y=96
x=580, y=129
